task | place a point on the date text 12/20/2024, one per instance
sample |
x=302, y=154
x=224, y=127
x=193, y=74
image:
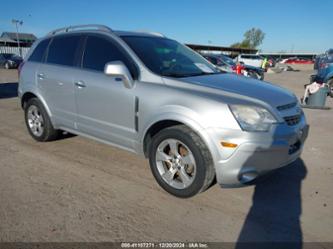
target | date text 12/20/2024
x=164, y=245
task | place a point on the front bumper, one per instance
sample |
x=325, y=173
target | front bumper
x=257, y=152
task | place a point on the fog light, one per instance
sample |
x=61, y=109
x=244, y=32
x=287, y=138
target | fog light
x=228, y=145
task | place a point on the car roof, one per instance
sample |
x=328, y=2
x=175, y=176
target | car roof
x=98, y=28
x=119, y=33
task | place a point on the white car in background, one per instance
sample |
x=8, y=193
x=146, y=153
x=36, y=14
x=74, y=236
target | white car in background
x=250, y=59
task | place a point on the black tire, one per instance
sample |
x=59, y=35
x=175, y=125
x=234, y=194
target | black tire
x=330, y=86
x=48, y=133
x=205, y=172
x=253, y=75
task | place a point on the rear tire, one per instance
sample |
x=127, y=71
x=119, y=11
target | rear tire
x=38, y=122
x=180, y=161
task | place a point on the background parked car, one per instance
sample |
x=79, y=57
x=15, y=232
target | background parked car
x=297, y=60
x=226, y=64
x=329, y=52
x=325, y=72
x=9, y=61
x=250, y=59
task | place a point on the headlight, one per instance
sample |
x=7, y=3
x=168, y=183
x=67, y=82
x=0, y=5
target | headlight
x=253, y=118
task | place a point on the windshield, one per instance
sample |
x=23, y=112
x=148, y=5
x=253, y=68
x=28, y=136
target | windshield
x=10, y=56
x=7, y=56
x=167, y=57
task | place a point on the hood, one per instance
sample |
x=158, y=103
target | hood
x=264, y=91
x=16, y=60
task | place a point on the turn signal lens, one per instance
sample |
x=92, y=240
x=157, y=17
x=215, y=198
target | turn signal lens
x=228, y=145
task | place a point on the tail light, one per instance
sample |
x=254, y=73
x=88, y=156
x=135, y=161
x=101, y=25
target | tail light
x=19, y=69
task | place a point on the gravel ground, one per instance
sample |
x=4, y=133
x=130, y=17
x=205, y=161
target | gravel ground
x=75, y=189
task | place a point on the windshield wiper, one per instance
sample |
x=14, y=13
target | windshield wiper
x=203, y=73
x=178, y=75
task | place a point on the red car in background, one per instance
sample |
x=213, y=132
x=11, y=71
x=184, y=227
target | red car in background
x=297, y=61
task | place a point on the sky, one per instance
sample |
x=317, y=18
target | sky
x=289, y=25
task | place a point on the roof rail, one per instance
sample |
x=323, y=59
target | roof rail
x=150, y=33
x=86, y=26
x=155, y=33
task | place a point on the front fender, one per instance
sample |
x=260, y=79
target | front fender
x=183, y=115
x=175, y=113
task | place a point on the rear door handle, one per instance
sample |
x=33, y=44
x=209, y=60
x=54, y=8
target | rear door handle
x=41, y=76
x=80, y=84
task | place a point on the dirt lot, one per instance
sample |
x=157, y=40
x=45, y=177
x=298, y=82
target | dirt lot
x=76, y=189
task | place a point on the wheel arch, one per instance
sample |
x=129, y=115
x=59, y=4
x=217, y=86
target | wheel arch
x=169, y=121
x=26, y=97
x=29, y=95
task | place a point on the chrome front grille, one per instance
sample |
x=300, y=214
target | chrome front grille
x=293, y=120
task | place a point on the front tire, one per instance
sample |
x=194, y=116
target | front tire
x=38, y=122
x=254, y=75
x=180, y=161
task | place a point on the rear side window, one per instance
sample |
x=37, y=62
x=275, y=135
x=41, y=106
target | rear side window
x=39, y=52
x=62, y=50
x=99, y=51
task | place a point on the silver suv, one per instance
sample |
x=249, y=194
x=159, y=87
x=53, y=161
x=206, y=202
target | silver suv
x=153, y=96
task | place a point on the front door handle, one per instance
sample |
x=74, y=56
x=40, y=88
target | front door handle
x=80, y=84
x=41, y=76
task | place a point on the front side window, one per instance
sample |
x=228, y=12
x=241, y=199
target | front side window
x=99, y=51
x=167, y=57
x=62, y=50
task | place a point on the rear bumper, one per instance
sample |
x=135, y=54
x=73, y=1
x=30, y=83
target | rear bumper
x=258, y=154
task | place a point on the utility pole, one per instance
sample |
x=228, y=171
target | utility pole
x=16, y=23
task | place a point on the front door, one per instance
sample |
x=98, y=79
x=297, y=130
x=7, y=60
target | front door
x=105, y=107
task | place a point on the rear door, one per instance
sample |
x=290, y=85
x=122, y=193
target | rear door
x=55, y=79
x=105, y=107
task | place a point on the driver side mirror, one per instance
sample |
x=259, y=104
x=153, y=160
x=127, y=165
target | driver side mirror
x=118, y=69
